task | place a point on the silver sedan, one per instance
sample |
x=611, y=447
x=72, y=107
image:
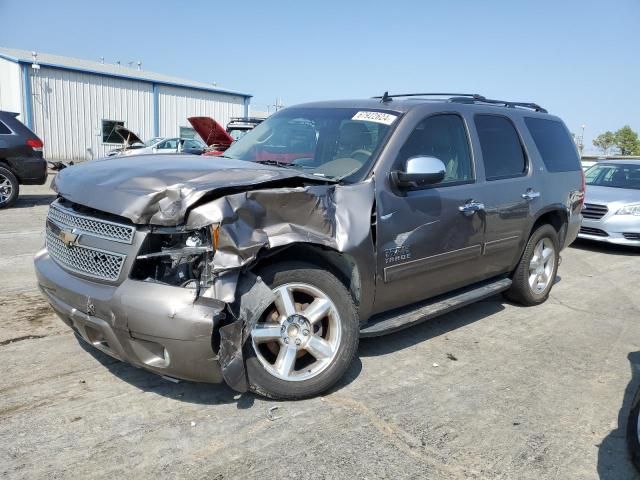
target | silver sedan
x=611, y=210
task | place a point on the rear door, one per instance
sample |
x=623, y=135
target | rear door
x=426, y=244
x=510, y=191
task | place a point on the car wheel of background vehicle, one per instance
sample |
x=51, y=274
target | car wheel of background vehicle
x=9, y=188
x=633, y=434
x=536, y=272
x=306, y=340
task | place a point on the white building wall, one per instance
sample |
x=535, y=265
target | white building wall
x=10, y=87
x=68, y=109
x=176, y=104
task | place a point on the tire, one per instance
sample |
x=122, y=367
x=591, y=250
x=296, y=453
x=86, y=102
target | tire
x=274, y=368
x=9, y=188
x=633, y=440
x=526, y=289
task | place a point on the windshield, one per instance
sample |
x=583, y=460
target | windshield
x=614, y=175
x=328, y=142
x=152, y=141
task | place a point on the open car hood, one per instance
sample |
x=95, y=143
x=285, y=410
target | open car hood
x=211, y=132
x=159, y=189
x=127, y=135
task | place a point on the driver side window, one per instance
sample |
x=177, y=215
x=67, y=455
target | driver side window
x=445, y=138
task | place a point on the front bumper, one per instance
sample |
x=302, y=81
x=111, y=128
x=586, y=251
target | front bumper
x=157, y=327
x=612, y=229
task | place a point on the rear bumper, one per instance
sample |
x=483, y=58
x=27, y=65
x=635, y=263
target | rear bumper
x=30, y=170
x=156, y=327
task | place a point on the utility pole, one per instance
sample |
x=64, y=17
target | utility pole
x=581, y=140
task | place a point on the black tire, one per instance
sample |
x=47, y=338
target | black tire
x=520, y=291
x=14, y=185
x=632, y=430
x=266, y=384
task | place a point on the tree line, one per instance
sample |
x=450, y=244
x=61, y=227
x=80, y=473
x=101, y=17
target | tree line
x=624, y=142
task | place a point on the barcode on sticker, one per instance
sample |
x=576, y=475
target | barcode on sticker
x=377, y=117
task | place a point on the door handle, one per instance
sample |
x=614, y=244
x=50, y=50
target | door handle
x=530, y=195
x=471, y=207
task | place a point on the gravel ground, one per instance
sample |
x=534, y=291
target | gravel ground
x=492, y=391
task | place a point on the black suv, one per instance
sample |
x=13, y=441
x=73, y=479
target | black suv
x=327, y=222
x=21, y=160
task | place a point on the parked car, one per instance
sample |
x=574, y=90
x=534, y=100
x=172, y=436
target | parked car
x=612, y=205
x=239, y=126
x=264, y=273
x=21, y=160
x=633, y=429
x=132, y=145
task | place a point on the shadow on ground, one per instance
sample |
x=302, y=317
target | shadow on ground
x=371, y=347
x=614, y=462
x=190, y=392
x=604, y=248
x=26, y=201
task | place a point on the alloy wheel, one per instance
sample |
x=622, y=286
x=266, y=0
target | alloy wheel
x=541, y=266
x=300, y=333
x=6, y=189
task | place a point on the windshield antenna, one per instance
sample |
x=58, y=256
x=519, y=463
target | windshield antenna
x=386, y=98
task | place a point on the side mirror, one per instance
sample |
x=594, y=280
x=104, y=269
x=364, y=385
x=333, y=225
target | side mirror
x=419, y=171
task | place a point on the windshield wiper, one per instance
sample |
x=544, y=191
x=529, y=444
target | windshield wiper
x=276, y=163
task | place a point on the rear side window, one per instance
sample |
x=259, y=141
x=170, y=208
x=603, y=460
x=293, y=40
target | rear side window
x=502, y=151
x=4, y=130
x=554, y=144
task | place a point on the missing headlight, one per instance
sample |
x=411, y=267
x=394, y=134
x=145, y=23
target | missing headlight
x=176, y=258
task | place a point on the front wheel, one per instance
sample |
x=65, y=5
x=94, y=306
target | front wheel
x=536, y=271
x=633, y=430
x=306, y=340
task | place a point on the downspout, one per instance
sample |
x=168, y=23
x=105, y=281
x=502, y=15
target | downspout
x=156, y=111
x=28, y=105
x=246, y=107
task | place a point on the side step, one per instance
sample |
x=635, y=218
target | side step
x=389, y=322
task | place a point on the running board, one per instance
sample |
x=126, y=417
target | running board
x=399, y=319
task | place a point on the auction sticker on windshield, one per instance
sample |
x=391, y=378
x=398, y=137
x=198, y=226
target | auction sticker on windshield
x=377, y=117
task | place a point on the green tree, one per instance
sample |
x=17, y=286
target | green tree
x=627, y=141
x=605, y=141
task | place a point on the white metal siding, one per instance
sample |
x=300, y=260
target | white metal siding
x=10, y=87
x=176, y=104
x=68, y=109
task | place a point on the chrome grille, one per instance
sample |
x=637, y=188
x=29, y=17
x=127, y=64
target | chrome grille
x=96, y=227
x=594, y=211
x=89, y=261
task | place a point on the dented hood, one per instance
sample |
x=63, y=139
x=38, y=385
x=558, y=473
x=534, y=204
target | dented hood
x=159, y=189
x=211, y=131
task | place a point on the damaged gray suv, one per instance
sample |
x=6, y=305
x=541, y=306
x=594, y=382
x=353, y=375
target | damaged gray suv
x=326, y=223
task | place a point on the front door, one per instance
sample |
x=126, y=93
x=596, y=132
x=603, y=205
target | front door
x=426, y=244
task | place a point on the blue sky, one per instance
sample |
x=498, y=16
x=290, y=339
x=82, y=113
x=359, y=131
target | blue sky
x=579, y=59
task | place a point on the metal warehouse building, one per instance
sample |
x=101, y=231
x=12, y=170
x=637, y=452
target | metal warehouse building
x=73, y=104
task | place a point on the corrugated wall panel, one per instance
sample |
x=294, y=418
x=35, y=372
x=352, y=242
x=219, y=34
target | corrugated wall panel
x=10, y=86
x=68, y=109
x=176, y=104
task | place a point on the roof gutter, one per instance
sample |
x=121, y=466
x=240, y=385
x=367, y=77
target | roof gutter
x=128, y=77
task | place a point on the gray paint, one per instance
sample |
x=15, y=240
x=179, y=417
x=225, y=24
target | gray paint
x=261, y=209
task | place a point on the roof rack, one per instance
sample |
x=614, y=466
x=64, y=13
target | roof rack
x=469, y=98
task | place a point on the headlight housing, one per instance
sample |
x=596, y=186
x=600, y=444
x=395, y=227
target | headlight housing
x=632, y=209
x=176, y=256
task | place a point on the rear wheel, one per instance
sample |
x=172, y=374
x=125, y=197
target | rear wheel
x=306, y=340
x=9, y=188
x=536, y=271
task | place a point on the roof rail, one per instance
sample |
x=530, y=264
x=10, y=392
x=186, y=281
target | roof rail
x=469, y=98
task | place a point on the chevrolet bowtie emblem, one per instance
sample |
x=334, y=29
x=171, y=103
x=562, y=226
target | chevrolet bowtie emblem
x=69, y=237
